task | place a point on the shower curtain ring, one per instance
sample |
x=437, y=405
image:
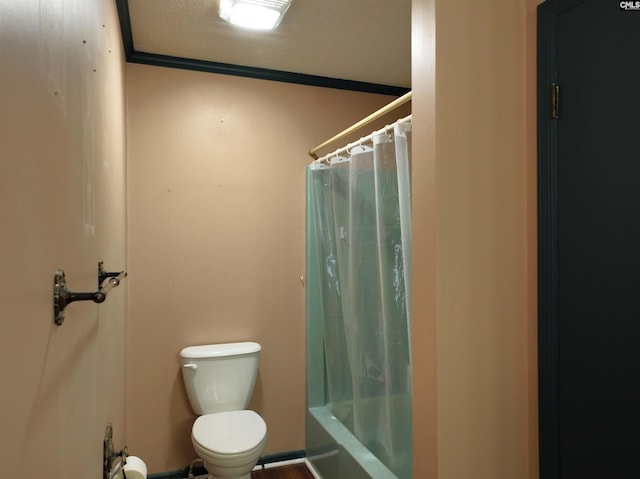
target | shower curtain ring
x=353, y=145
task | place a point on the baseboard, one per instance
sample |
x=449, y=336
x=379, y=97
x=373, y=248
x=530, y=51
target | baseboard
x=264, y=461
x=281, y=457
x=180, y=474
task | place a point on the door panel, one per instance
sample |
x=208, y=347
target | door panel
x=595, y=351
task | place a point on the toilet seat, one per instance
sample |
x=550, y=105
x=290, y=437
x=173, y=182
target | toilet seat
x=230, y=433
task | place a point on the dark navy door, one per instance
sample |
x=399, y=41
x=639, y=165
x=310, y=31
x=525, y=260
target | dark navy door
x=589, y=222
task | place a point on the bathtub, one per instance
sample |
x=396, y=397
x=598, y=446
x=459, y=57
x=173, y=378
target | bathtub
x=335, y=453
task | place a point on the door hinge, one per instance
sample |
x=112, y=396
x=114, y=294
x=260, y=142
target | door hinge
x=555, y=101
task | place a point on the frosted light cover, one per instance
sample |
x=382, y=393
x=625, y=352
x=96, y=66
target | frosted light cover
x=255, y=14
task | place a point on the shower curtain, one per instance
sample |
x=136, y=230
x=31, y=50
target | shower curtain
x=358, y=269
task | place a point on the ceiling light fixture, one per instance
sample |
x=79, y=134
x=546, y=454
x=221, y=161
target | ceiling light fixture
x=256, y=14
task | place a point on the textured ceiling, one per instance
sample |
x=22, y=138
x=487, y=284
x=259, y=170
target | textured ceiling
x=359, y=40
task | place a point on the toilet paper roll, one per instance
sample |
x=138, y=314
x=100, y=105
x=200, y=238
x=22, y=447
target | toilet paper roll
x=135, y=468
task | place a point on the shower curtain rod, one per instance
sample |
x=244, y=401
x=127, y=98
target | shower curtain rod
x=365, y=121
x=329, y=157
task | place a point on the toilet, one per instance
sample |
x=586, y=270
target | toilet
x=219, y=379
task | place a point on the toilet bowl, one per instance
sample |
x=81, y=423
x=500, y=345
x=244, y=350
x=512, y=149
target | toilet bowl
x=230, y=443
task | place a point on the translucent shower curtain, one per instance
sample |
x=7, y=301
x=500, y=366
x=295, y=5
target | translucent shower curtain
x=358, y=262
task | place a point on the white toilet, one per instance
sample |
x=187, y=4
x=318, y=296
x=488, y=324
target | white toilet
x=219, y=379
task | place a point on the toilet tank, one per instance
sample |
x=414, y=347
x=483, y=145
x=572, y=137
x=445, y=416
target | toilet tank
x=220, y=377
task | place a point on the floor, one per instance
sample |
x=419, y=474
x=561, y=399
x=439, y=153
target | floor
x=291, y=471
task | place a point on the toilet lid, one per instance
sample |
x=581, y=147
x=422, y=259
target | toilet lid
x=230, y=432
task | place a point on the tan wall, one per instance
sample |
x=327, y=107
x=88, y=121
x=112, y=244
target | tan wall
x=62, y=205
x=216, y=240
x=474, y=236
x=424, y=333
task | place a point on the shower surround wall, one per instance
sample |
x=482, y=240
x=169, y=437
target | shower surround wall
x=62, y=205
x=216, y=240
